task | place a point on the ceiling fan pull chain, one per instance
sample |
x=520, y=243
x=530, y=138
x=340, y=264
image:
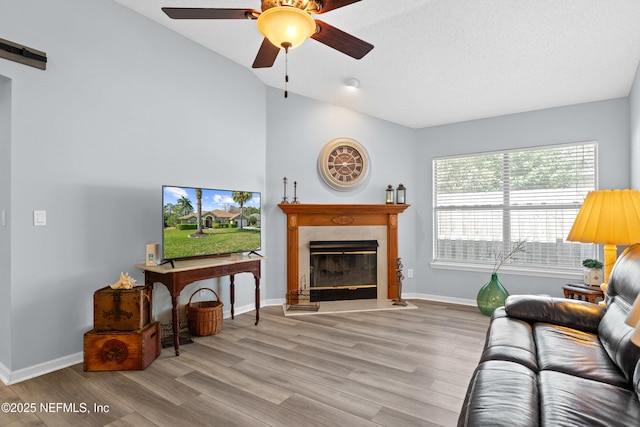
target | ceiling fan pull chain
x=286, y=73
x=286, y=47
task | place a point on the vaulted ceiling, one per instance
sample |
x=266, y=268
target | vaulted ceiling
x=442, y=61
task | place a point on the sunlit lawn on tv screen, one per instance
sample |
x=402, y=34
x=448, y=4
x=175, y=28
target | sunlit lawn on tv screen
x=178, y=244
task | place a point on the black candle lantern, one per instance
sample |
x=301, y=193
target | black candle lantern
x=401, y=194
x=389, y=194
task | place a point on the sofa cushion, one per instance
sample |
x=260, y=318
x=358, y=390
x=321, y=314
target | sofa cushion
x=560, y=311
x=510, y=339
x=624, y=281
x=575, y=352
x=615, y=336
x=501, y=394
x=567, y=400
x=636, y=379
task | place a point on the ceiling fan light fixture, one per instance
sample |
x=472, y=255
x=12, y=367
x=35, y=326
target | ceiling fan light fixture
x=286, y=26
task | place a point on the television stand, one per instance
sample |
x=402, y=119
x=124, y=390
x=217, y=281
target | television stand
x=255, y=253
x=185, y=272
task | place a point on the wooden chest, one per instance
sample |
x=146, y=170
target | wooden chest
x=121, y=309
x=120, y=350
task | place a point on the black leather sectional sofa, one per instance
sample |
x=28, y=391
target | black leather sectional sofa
x=558, y=362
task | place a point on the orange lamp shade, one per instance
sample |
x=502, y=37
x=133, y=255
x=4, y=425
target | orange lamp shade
x=608, y=217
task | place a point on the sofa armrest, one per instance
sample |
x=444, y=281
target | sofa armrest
x=565, y=312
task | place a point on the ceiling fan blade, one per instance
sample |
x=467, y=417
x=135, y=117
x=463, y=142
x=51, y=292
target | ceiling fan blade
x=266, y=55
x=341, y=41
x=328, y=5
x=209, y=13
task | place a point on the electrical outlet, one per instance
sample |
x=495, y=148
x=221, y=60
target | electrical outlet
x=201, y=293
x=410, y=273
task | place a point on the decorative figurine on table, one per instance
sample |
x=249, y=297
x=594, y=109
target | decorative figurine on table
x=399, y=277
x=125, y=282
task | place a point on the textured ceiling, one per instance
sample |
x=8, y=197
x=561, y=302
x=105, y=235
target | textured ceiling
x=443, y=61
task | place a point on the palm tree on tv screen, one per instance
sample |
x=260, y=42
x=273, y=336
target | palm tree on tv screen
x=241, y=197
x=185, y=205
x=199, y=204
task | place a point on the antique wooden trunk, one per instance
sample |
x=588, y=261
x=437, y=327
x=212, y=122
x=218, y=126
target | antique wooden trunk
x=121, y=309
x=122, y=350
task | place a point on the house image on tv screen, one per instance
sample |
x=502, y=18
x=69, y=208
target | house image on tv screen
x=201, y=222
x=219, y=217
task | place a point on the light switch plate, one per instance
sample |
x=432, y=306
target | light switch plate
x=39, y=218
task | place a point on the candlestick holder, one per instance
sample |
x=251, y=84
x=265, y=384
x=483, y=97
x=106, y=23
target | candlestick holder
x=295, y=200
x=284, y=198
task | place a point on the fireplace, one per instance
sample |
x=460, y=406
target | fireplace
x=343, y=270
x=333, y=222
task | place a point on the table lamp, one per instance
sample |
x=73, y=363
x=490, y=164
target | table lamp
x=608, y=217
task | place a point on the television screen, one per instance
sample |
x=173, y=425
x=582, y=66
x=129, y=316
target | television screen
x=201, y=222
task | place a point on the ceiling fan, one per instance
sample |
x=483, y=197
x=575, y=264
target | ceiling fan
x=285, y=24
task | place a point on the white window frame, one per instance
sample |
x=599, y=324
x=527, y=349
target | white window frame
x=586, y=250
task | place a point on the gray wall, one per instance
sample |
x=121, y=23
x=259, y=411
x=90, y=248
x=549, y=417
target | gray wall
x=634, y=112
x=297, y=130
x=606, y=122
x=5, y=231
x=124, y=106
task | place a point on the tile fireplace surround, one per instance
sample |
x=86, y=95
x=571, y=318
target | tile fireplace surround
x=307, y=222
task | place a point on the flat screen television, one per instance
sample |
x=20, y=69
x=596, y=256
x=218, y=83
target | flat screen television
x=201, y=222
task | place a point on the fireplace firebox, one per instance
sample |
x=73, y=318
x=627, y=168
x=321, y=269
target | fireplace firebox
x=343, y=270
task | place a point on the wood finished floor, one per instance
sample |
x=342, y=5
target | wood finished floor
x=381, y=368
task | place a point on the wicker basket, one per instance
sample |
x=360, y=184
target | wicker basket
x=204, y=317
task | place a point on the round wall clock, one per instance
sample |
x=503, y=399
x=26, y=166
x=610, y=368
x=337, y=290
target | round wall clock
x=343, y=164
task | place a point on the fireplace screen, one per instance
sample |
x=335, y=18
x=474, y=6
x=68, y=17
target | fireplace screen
x=343, y=269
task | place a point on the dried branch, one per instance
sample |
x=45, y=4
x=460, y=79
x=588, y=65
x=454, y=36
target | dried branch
x=503, y=257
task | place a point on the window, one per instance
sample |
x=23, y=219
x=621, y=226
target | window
x=486, y=203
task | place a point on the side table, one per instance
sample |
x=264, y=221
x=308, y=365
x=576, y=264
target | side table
x=186, y=272
x=583, y=292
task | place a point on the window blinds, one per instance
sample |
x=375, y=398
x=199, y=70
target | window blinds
x=484, y=204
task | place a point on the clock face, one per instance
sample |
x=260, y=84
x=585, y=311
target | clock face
x=343, y=164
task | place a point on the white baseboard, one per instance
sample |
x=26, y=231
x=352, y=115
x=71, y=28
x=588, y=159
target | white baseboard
x=13, y=377
x=226, y=314
x=440, y=298
x=5, y=373
x=427, y=297
x=275, y=301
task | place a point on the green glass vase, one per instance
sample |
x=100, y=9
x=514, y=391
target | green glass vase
x=491, y=295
